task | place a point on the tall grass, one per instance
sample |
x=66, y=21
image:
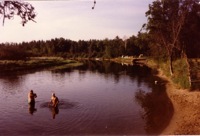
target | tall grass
x=180, y=71
x=181, y=75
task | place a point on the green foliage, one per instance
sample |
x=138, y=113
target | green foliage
x=173, y=27
x=107, y=48
x=180, y=76
x=195, y=73
x=173, y=31
x=12, y=52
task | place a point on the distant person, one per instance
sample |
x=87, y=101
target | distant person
x=31, y=97
x=54, y=101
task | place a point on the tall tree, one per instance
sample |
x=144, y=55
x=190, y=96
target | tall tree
x=166, y=19
x=191, y=32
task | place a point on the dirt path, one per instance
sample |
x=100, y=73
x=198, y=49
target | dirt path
x=186, y=118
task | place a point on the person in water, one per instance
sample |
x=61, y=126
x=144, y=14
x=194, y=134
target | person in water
x=31, y=101
x=54, y=101
x=31, y=97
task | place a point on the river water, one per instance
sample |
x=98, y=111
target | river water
x=98, y=98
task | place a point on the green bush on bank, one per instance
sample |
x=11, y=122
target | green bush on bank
x=180, y=71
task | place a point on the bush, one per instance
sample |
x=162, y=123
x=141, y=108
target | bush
x=180, y=68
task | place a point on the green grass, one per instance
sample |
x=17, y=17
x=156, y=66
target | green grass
x=181, y=74
x=37, y=63
x=195, y=72
x=180, y=71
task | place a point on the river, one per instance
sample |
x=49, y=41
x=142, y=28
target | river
x=98, y=98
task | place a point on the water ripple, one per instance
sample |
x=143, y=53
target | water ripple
x=63, y=104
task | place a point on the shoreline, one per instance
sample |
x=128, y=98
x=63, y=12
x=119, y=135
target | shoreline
x=186, y=104
x=186, y=117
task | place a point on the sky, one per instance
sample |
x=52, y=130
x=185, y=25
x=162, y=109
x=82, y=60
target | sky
x=75, y=20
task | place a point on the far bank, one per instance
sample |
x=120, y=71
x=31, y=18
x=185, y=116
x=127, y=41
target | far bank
x=37, y=63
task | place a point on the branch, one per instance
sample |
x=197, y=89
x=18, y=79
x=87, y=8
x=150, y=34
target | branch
x=9, y=9
x=177, y=28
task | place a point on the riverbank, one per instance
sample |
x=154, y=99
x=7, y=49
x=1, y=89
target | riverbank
x=186, y=117
x=37, y=63
x=186, y=104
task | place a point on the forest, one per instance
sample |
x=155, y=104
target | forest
x=107, y=48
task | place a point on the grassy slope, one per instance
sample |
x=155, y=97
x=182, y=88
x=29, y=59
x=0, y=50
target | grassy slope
x=195, y=73
x=37, y=63
x=181, y=72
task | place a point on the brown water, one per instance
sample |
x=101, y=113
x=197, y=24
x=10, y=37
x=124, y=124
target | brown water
x=99, y=98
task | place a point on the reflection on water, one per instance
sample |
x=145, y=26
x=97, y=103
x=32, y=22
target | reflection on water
x=98, y=98
x=32, y=108
x=54, y=111
x=63, y=104
x=157, y=111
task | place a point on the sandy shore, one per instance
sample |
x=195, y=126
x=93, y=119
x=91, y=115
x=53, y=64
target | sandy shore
x=186, y=118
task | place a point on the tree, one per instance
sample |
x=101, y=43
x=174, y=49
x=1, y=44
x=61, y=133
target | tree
x=142, y=42
x=131, y=48
x=190, y=33
x=8, y=9
x=166, y=19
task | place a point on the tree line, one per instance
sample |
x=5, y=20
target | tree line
x=107, y=48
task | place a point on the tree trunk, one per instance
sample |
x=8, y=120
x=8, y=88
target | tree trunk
x=170, y=65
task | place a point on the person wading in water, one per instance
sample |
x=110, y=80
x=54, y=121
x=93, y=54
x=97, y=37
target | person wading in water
x=54, y=105
x=54, y=101
x=31, y=101
x=31, y=97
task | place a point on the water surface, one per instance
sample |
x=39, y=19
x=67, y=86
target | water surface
x=99, y=98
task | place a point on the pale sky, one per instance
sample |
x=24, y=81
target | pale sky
x=75, y=20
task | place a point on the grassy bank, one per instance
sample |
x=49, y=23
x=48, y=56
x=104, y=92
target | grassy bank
x=37, y=63
x=181, y=69
x=181, y=72
x=195, y=73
